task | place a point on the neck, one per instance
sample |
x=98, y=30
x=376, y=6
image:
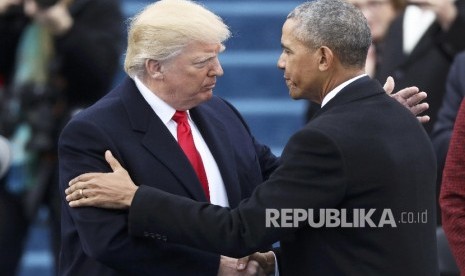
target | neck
x=336, y=78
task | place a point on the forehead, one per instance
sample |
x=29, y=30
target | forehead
x=288, y=37
x=288, y=29
x=196, y=48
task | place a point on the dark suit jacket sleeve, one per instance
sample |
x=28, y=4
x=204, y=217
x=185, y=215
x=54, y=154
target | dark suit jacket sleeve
x=311, y=176
x=453, y=191
x=103, y=233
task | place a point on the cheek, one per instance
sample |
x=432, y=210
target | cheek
x=291, y=68
x=297, y=71
x=193, y=84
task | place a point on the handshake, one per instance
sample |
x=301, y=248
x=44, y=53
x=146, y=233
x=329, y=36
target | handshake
x=255, y=264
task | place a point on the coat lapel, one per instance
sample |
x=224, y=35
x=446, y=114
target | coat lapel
x=158, y=140
x=214, y=133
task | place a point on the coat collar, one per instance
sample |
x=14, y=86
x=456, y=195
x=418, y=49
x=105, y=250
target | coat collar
x=359, y=89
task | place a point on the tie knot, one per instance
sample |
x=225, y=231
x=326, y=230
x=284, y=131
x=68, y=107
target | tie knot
x=180, y=117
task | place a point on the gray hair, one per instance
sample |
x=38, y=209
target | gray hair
x=164, y=28
x=335, y=24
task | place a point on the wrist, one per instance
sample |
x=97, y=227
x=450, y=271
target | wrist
x=130, y=197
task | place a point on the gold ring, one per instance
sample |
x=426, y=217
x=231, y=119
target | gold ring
x=81, y=192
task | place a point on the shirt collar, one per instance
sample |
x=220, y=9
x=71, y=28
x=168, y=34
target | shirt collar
x=163, y=110
x=338, y=88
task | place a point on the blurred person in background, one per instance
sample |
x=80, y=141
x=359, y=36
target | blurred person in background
x=453, y=191
x=455, y=93
x=419, y=50
x=379, y=14
x=56, y=57
x=421, y=45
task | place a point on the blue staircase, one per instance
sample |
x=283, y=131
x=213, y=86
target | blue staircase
x=252, y=83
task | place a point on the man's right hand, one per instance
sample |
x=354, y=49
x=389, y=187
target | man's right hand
x=228, y=267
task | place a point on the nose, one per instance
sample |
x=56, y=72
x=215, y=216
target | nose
x=216, y=70
x=281, y=63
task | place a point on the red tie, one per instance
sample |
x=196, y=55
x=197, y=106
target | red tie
x=186, y=141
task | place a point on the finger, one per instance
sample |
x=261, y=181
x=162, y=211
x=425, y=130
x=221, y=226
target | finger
x=419, y=108
x=74, y=195
x=114, y=164
x=423, y=119
x=75, y=187
x=253, y=268
x=83, y=178
x=80, y=202
x=242, y=263
x=408, y=92
x=389, y=85
x=415, y=99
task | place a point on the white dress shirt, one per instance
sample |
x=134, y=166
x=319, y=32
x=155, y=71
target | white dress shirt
x=416, y=22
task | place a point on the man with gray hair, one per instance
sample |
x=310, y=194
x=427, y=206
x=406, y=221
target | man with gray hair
x=168, y=99
x=355, y=192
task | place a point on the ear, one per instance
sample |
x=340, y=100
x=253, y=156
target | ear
x=153, y=69
x=326, y=58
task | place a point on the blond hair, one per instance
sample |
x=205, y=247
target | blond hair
x=162, y=29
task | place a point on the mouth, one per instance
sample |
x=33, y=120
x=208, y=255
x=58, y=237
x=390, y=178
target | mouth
x=289, y=83
x=210, y=86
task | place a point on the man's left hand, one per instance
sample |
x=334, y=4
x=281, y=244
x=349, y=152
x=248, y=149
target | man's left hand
x=409, y=97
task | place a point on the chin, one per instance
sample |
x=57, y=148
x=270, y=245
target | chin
x=206, y=96
x=209, y=94
x=295, y=95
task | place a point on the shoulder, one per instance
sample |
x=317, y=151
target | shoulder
x=364, y=119
x=219, y=107
x=106, y=112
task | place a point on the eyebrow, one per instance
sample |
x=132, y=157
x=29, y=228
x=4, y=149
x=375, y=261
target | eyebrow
x=203, y=59
x=284, y=47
